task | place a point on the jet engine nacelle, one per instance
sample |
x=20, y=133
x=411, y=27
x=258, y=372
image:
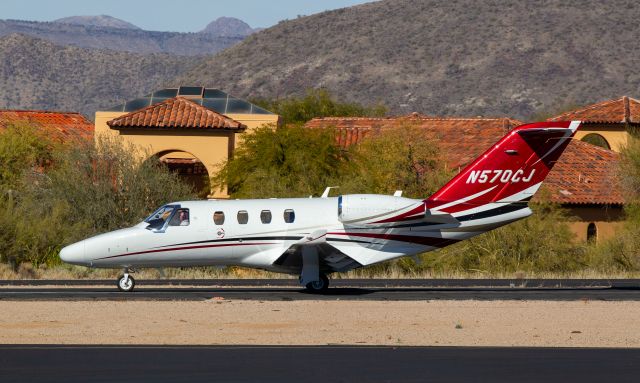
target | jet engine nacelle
x=360, y=207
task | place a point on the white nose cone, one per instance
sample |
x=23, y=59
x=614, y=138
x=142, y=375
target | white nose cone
x=74, y=254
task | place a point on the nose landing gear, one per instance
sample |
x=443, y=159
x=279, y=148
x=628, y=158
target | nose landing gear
x=126, y=283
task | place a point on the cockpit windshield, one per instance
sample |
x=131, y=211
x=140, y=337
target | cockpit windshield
x=157, y=220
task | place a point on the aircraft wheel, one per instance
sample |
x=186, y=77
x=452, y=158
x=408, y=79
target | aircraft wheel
x=320, y=286
x=126, y=283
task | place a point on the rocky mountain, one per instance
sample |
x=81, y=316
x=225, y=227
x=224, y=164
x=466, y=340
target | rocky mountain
x=97, y=21
x=37, y=74
x=457, y=57
x=228, y=26
x=94, y=33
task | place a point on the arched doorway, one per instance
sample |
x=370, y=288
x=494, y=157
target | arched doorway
x=597, y=140
x=189, y=168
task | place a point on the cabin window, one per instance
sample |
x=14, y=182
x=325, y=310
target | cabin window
x=180, y=218
x=265, y=216
x=289, y=216
x=243, y=217
x=158, y=219
x=592, y=233
x=218, y=218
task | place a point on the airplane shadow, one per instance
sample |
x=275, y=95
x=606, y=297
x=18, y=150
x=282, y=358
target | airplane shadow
x=360, y=291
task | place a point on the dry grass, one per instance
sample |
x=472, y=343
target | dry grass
x=27, y=271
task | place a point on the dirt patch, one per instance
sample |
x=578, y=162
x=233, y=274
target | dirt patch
x=468, y=323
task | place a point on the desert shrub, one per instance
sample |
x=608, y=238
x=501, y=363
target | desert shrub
x=542, y=242
x=622, y=253
x=87, y=189
x=22, y=147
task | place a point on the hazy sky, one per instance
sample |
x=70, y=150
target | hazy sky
x=171, y=15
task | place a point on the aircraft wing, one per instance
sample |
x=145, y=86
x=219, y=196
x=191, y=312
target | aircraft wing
x=330, y=259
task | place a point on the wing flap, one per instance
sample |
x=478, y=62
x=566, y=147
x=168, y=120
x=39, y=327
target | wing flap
x=330, y=258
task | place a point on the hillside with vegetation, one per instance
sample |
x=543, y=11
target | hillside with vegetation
x=37, y=74
x=458, y=57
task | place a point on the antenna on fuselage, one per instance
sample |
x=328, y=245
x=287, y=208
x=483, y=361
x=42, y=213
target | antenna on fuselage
x=327, y=190
x=398, y=193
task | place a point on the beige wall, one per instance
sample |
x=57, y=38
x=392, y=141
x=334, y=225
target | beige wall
x=608, y=221
x=615, y=135
x=212, y=148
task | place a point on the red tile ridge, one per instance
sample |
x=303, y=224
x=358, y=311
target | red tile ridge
x=40, y=111
x=624, y=99
x=422, y=117
x=179, y=108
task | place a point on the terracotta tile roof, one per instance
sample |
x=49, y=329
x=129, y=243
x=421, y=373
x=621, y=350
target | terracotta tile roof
x=176, y=112
x=621, y=110
x=585, y=174
x=461, y=139
x=61, y=126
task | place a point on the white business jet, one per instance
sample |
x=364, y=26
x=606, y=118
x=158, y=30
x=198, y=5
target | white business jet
x=314, y=237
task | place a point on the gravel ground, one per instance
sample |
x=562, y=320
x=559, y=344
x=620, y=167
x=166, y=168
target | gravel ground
x=215, y=321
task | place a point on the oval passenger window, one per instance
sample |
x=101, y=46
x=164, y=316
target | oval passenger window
x=243, y=217
x=289, y=216
x=218, y=217
x=265, y=216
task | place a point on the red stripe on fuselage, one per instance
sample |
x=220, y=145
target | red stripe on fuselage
x=186, y=248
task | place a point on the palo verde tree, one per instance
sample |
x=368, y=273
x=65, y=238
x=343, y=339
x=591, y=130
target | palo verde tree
x=401, y=158
x=285, y=162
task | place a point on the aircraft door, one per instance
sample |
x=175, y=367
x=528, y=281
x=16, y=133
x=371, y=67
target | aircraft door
x=223, y=231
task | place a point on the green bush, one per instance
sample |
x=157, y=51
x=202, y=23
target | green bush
x=87, y=189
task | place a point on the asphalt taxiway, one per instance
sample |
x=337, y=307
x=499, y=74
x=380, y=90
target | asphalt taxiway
x=343, y=289
x=315, y=364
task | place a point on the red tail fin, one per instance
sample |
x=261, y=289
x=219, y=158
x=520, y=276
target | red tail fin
x=510, y=171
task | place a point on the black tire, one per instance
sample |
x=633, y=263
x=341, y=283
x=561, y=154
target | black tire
x=126, y=288
x=319, y=287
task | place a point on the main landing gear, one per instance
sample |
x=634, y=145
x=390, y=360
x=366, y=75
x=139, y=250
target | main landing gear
x=320, y=286
x=126, y=282
x=310, y=275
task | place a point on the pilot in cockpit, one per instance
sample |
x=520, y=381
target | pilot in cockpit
x=184, y=217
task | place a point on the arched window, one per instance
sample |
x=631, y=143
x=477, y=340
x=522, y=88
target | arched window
x=592, y=233
x=597, y=140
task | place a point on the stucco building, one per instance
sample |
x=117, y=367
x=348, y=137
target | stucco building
x=192, y=129
x=607, y=123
